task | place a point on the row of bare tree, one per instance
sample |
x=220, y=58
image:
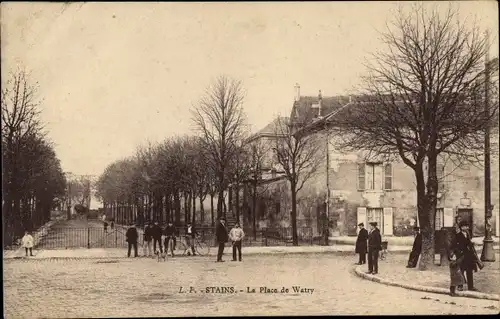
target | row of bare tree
x=220, y=159
x=32, y=178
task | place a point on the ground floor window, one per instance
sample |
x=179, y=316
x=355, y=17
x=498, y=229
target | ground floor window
x=375, y=215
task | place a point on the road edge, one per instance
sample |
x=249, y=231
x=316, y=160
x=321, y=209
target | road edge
x=437, y=290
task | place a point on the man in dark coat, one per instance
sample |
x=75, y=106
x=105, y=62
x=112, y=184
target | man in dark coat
x=416, y=249
x=374, y=247
x=156, y=234
x=132, y=239
x=170, y=233
x=361, y=244
x=464, y=247
x=147, y=237
x=221, y=234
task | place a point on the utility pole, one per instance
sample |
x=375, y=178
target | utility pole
x=488, y=254
x=327, y=217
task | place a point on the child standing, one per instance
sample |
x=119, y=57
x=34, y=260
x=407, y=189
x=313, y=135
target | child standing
x=456, y=275
x=27, y=242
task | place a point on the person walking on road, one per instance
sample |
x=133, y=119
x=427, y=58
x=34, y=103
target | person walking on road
x=221, y=234
x=361, y=244
x=236, y=235
x=156, y=234
x=464, y=247
x=147, y=240
x=27, y=243
x=374, y=247
x=170, y=233
x=416, y=249
x=132, y=236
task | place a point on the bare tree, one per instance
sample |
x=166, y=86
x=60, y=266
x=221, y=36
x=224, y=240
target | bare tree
x=258, y=153
x=423, y=99
x=219, y=118
x=299, y=155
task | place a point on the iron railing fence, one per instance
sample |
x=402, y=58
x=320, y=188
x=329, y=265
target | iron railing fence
x=97, y=237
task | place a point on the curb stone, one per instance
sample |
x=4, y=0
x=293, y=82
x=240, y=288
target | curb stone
x=437, y=290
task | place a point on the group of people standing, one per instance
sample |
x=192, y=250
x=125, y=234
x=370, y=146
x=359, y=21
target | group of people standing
x=369, y=242
x=460, y=252
x=153, y=238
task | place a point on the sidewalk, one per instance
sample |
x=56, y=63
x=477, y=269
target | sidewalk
x=393, y=272
x=398, y=240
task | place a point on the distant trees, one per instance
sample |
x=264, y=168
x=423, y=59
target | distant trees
x=156, y=181
x=424, y=99
x=32, y=178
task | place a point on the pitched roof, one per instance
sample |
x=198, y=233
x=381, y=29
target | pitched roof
x=306, y=109
x=272, y=126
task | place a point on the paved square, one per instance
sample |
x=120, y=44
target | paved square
x=140, y=287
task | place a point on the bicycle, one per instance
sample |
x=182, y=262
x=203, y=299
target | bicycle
x=200, y=247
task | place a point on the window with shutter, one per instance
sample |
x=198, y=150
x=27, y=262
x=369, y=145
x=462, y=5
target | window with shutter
x=388, y=176
x=361, y=176
x=375, y=215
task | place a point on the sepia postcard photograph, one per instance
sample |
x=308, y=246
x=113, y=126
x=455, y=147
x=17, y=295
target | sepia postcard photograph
x=215, y=159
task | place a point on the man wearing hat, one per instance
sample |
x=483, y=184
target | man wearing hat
x=374, y=247
x=131, y=236
x=463, y=246
x=416, y=249
x=221, y=234
x=361, y=245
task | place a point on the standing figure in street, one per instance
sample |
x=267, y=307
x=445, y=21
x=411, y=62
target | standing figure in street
x=464, y=247
x=132, y=239
x=456, y=276
x=361, y=244
x=416, y=249
x=170, y=233
x=27, y=243
x=374, y=247
x=148, y=238
x=190, y=232
x=236, y=235
x=221, y=234
x=156, y=234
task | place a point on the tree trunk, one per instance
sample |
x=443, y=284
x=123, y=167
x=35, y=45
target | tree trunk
x=237, y=202
x=202, y=209
x=425, y=223
x=177, y=207
x=220, y=198
x=295, y=238
x=212, y=208
x=254, y=210
x=230, y=200
x=431, y=203
x=193, y=220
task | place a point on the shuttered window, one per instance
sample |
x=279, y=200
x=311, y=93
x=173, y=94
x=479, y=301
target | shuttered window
x=388, y=176
x=361, y=176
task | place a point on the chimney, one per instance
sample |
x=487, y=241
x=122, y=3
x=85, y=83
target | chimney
x=320, y=102
x=297, y=92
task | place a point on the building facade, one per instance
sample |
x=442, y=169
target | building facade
x=361, y=191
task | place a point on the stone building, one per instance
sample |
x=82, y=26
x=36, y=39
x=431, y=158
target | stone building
x=385, y=192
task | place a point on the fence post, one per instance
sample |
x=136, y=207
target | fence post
x=265, y=238
x=116, y=238
x=88, y=238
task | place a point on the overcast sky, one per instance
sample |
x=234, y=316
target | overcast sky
x=113, y=75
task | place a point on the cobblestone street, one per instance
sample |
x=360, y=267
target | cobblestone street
x=143, y=287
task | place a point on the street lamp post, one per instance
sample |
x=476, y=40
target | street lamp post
x=488, y=254
x=327, y=212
